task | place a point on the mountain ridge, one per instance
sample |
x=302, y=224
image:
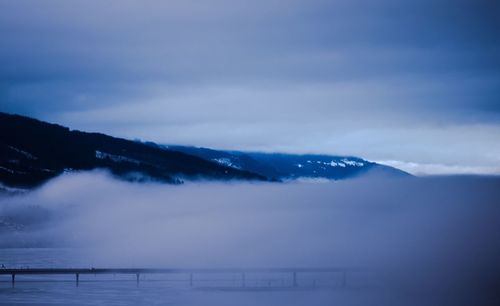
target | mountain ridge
x=286, y=166
x=33, y=151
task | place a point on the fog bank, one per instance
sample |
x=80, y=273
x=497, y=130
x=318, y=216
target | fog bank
x=423, y=232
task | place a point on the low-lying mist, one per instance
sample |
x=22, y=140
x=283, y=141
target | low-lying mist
x=439, y=232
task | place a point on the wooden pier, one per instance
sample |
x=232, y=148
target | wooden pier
x=293, y=273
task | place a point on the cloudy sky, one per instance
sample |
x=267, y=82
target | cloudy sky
x=414, y=84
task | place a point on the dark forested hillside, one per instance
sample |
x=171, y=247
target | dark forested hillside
x=32, y=151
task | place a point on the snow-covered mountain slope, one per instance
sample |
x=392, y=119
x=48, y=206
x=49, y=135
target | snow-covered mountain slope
x=281, y=166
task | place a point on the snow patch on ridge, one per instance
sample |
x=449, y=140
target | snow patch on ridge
x=115, y=158
x=22, y=152
x=226, y=162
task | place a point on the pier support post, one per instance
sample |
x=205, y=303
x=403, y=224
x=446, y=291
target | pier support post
x=295, y=279
x=137, y=279
x=190, y=279
x=77, y=277
x=243, y=279
x=13, y=279
x=344, y=279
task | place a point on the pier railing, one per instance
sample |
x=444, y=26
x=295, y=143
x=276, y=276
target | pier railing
x=291, y=274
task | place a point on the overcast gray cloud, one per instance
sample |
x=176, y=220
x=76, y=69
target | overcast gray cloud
x=397, y=81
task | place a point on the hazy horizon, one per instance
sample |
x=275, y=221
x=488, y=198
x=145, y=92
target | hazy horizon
x=416, y=169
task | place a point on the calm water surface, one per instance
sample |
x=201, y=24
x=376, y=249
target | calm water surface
x=152, y=290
